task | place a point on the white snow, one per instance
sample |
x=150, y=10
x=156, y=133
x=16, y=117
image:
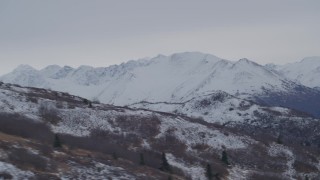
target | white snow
x=306, y=72
x=12, y=102
x=228, y=109
x=193, y=133
x=17, y=174
x=25, y=75
x=195, y=171
x=238, y=173
x=279, y=150
x=172, y=78
x=80, y=120
x=96, y=171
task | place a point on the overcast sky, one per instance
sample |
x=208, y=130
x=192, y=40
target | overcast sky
x=105, y=32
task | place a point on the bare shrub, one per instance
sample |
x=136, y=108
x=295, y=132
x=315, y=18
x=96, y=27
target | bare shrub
x=32, y=99
x=101, y=145
x=45, y=176
x=99, y=134
x=71, y=106
x=127, y=140
x=49, y=113
x=256, y=156
x=16, y=124
x=304, y=167
x=5, y=175
x=24, y=158
x=205, y=103
x=59, y=104
x=112, y=144
x=265, y=176
x=200, y=147
x=169, y=143
x=243, y=106
x=146, y=127
x=45, y=149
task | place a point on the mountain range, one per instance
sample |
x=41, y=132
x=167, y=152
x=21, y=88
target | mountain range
x=180, y=77
x=182, y=116
x=218, y=134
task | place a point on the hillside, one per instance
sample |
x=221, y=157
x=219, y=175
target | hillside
x=105, y=140
x=26, y=158
x=305, y=72
x=174, y=78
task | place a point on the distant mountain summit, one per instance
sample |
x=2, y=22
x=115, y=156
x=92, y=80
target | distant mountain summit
x=25, y=75
x=306, y=72
x=182, y=76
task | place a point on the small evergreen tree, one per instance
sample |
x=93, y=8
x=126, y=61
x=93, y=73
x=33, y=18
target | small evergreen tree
x=57, y=142
x=209, y=172
x=165, y=166
x=224, y=157
x=170, y=177
x=90, y=104
x=279, y=139
x=114, y=155
x=85, y=101
x=142, y=159
x=306, y=177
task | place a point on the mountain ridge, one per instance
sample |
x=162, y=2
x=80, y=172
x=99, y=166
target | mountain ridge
x=173, y=78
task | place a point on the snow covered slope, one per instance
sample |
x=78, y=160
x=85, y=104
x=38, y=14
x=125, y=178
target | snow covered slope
x=190, y=143
x=306, y=72
x=163, y=78
x=174, y=78
x=220, y=107
x=26, y=75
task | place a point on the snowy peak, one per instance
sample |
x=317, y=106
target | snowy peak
x=25, y=75
x=243, y=76
x=193, y=56
x=184, y=59
x=24, y=68
x=62, y=73
x=247, y=63
x=306, y=72
x=50, y=70
x=245, y=60
x=312, y=59
x=271, y=66
x=171, y=78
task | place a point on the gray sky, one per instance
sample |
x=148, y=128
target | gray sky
x=105, y=32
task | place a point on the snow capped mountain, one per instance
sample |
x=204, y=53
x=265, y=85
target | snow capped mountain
x=174, y=78
x=49, y=71
x=306, y=72
x=26, y=75
x=163, y=78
